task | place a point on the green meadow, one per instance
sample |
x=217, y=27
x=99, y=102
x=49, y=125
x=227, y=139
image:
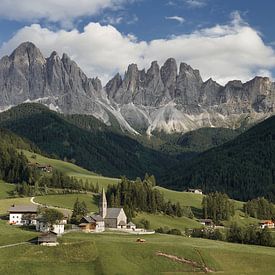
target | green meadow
x=71, y=170
x=110, y=253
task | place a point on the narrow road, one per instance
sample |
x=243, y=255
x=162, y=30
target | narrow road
x=67, y=211
x=33, y=202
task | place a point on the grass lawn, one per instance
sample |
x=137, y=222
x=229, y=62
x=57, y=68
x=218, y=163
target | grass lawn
x=184, y=198
x=71, y=169
x=5, y=189
x=10, y=234
x=159, y=220
x=107, y=253
x=68, y=200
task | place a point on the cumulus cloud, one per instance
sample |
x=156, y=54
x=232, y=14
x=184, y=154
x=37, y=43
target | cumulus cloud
x=223, y=52
x=63, y=11
x=176, y=18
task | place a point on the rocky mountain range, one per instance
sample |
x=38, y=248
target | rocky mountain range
x=166, y=98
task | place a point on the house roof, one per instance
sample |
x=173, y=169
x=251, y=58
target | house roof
x=92, y=219
x=47, y=237
x=267, y=222
x=206, y=220
x=23, y=208
x=88, y=219
x=97, y=218
x=113, y=213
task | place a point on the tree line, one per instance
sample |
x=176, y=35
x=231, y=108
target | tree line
x=140, y=195
x=260, y=208
x=218, y=207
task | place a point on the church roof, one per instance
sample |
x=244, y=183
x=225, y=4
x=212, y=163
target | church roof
x=113, y=213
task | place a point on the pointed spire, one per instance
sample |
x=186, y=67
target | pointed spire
x=103, y=205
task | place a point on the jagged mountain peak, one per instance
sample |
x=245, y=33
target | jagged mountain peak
x=27, y=52
x=162, y=98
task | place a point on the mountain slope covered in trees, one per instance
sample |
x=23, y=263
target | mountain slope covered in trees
x=85, y=141
x=244, y=168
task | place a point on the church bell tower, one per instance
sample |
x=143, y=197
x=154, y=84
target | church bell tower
x=103, y=205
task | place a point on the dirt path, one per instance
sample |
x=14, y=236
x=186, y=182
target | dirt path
x=185, y=261
x=14, y=244
x=65, y=210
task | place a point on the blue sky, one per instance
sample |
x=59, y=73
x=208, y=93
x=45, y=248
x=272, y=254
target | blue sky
x=224, y=39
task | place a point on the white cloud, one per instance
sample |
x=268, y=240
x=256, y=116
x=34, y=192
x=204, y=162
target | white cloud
x=112, y=20
x=196, y=3
x=223, y=52
x=177, y=18
x=63, y=11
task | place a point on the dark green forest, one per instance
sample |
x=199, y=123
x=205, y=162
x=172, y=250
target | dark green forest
x=244, y=168
x=140, y=195
x=85, y=141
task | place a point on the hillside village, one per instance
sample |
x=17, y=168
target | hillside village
x=107, y=218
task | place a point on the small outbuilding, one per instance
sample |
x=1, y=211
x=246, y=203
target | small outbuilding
x=47, y=239
x=207, y=222
x=132, y=226
x=195, y=191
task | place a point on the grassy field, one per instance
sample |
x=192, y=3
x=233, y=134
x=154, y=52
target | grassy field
x=5, y=189
x=68, y=200
x=184, y=198
x=159, y=220
x=71, y=169
x=80, y=253
x=12, y=234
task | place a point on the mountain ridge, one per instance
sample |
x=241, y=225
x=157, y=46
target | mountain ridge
x=168, y=98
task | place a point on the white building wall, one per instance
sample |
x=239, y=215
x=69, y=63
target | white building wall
x=57, y=228
x=100, y=226
x=15, y=218
x=121, y=217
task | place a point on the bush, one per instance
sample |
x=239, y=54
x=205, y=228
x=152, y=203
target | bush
x=167, y=230
x=143, y=223
x=68, y=226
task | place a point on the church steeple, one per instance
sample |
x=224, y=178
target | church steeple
x=103, y=205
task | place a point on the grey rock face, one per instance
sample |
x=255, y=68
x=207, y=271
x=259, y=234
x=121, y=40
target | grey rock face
x=165, y=98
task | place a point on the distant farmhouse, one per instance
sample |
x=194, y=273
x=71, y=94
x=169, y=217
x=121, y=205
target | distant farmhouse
x=207, y=222
x=58, y=228
x=267, y=224
x=112, y=218
x=47, y=168
x=23, y=214
x=28, y=215
x=195, y=191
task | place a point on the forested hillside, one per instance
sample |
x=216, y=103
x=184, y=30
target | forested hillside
x=13, y=165
x=244, y=168
x=85, y=141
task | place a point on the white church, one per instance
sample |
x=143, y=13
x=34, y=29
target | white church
x=112, y=218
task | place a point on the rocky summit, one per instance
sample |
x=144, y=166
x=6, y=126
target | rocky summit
x=167, y=98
